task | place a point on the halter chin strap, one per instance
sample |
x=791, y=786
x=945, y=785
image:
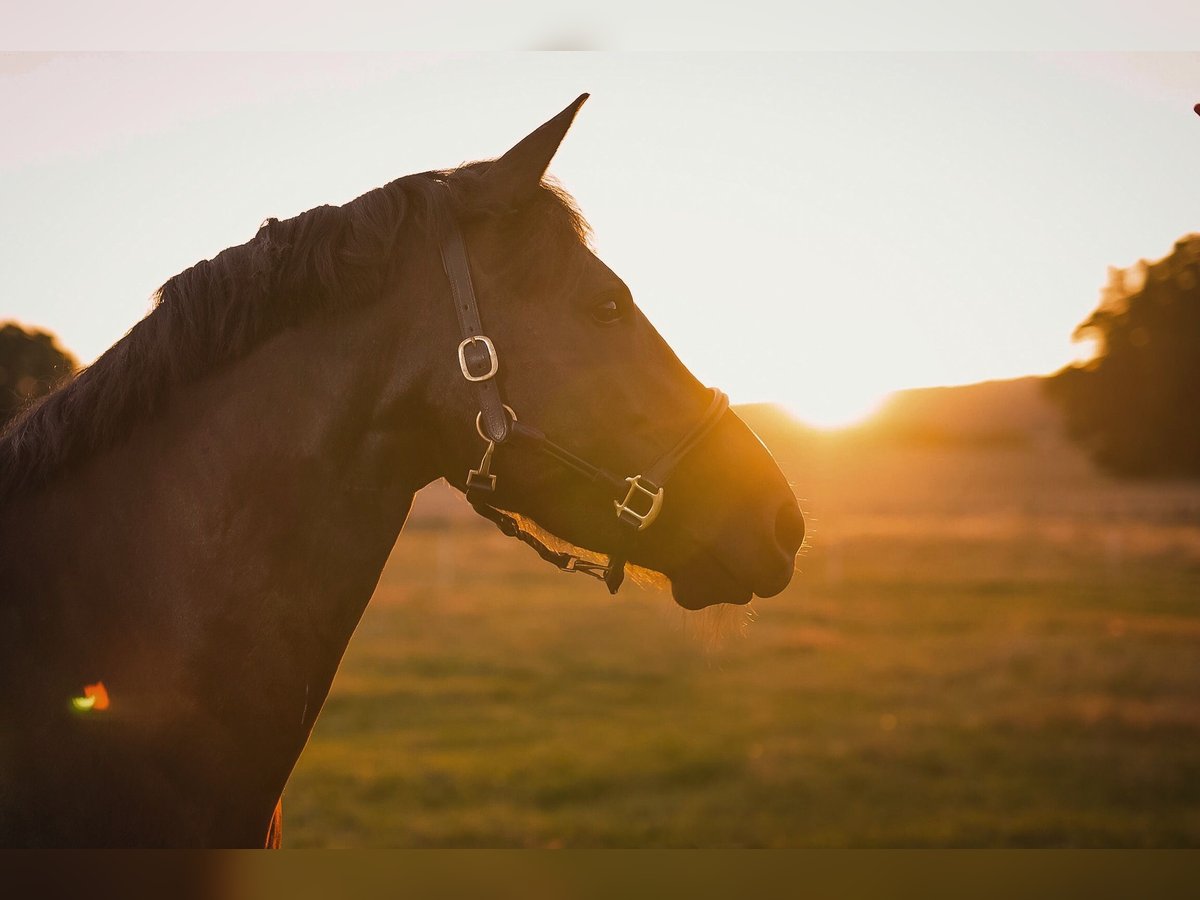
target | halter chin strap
x=640, y=496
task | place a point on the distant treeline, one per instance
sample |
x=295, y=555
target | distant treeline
x=1135, y=407
x=31, y=363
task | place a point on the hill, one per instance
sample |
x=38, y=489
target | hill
x=1009, y=411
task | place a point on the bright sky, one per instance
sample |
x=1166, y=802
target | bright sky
x=812, y=229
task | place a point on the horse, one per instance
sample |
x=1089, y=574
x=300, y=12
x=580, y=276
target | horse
x=191, y=528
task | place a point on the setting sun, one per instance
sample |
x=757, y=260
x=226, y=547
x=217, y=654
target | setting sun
x=835, y=409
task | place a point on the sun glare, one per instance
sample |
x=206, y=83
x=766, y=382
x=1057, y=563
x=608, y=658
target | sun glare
x=830, y=410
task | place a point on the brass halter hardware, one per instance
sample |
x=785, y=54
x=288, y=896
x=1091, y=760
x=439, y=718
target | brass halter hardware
x=482, y=478
x=493, y=359
x=625, y=511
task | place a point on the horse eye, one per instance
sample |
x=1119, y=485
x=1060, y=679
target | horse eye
x=606, y=312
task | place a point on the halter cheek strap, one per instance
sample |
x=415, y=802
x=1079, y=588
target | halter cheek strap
x=637, y=499
x=477, y=357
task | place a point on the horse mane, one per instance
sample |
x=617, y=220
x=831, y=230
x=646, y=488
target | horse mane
x=323, y=261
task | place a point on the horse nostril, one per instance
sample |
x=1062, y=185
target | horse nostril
x=789, y=528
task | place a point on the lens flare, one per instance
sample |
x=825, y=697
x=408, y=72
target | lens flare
x=95, y=697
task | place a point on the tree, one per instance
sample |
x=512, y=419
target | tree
x=31, y=363
x=1136, y=405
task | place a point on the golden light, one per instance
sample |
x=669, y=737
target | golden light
x=830, y=408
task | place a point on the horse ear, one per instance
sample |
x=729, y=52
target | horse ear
x=515, y=175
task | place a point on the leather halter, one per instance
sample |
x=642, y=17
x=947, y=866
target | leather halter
x=497, y=424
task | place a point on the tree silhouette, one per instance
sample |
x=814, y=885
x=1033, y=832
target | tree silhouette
x=1136, y=406
x=31, y=363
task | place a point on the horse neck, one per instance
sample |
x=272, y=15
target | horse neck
x=211, y=569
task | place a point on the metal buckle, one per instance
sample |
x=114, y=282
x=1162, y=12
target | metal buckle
x=629, y=515
x=492, y=358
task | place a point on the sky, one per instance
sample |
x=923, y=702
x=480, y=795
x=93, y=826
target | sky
x=814, y=229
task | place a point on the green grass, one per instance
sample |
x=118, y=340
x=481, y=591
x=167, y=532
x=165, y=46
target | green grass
x=914, y=687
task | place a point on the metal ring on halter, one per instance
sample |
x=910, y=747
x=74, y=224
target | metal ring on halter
x=479, y=421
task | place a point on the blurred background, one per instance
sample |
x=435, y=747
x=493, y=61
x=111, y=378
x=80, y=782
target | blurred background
x=993, y=638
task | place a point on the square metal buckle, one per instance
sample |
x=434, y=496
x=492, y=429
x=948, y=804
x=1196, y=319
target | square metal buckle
x=494, y=361
x=627, y=514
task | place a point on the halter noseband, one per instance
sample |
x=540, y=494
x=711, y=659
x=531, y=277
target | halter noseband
x=498, y=424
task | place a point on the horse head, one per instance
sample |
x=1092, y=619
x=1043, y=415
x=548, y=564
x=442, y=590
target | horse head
x=566, y=406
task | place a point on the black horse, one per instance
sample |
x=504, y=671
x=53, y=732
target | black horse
x=191, y=529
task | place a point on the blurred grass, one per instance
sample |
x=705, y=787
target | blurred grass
x=985, y=674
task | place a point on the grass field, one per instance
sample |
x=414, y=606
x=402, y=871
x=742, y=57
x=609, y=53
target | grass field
x=988, y=644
